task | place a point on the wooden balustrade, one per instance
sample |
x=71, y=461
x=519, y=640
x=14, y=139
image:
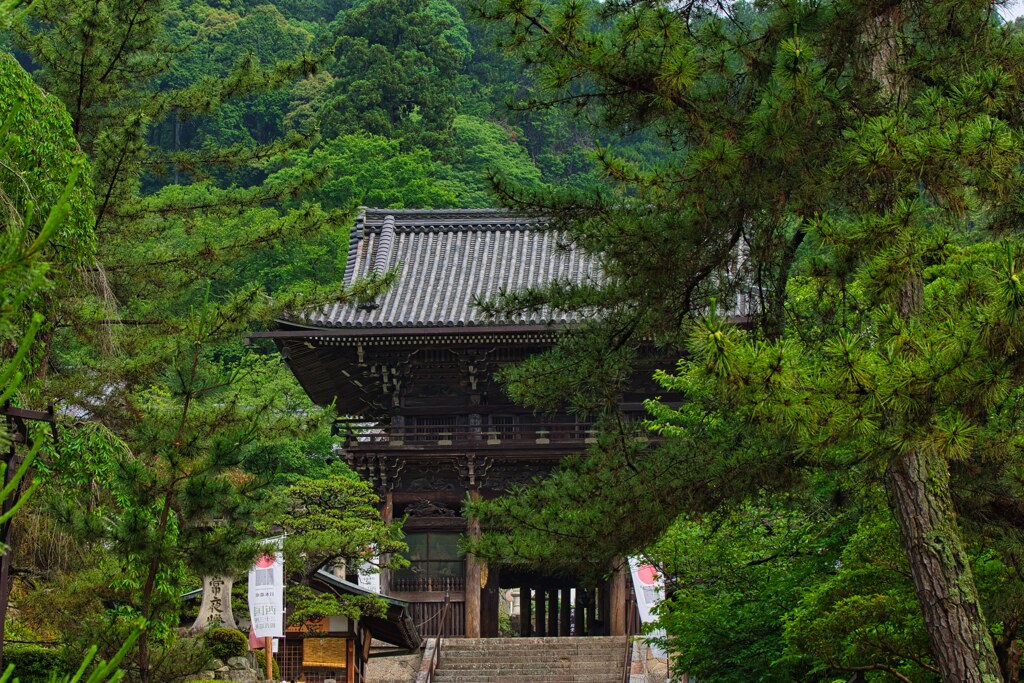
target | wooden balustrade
x=362, y=436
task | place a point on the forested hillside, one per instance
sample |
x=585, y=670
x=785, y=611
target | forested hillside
x=221, y=149
x=840, y=492
x=403, y=104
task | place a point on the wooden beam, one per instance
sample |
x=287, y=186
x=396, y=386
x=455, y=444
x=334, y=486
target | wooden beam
x=25, y=414
x=401, y=497
x=436, y=523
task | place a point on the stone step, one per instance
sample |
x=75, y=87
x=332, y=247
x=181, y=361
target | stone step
x=543, y=656
x=533, y=648
x=531, y=660
x=565, y=665
x=440, y=676
x=596, y=641
x=443, y=677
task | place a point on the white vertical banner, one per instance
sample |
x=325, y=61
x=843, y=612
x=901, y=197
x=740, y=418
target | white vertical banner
x=369, y=578
x=266, y=594
x=369, y=573
x=649, y=590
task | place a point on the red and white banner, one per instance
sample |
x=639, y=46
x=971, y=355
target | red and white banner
x=650, y=590
x=266, y=594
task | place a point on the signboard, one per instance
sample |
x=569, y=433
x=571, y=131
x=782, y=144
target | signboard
x=649, y=591
x=266, y=595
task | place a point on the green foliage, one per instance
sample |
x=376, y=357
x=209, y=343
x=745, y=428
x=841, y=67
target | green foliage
x=394, y=65
x=874, y=153
x=43, y=208
x=216, y=42
x=99, y=671
x=224, y=643
x=371, y=170
x=310, y=606
x=483, y=148
x=335, y=519
x=34, y=663
x=732, y=581
x=152, y=350
x=865, y=611
x=39, y=155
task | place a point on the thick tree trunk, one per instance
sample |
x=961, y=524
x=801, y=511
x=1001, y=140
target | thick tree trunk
x=961, y=644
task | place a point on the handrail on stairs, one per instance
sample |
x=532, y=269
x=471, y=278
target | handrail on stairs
x=426, y=674
x=627, y=660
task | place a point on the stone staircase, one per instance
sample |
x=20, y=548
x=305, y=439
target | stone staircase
x=532, y=660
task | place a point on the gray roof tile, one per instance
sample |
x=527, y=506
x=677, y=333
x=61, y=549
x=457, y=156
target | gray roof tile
x=446, y=261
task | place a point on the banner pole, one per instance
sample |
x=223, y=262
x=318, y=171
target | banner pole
x=268, y=644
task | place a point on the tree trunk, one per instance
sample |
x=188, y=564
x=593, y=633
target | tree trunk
x=1008, y=650
x=961, y=644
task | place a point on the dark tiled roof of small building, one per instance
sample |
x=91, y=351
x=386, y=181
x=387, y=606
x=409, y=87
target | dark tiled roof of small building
x=448, y=260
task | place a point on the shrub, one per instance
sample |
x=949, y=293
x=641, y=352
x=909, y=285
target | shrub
x=223, y=643
x=34, y=663
x=261, y=667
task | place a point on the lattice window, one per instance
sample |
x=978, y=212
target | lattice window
x=435, y=563
x=290, y=659
x=322, y=674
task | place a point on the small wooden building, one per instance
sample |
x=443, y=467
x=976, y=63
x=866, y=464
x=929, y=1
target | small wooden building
x=428, y=425
x=336, y=648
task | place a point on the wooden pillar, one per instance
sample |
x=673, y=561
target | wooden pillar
x=473, y=579
x=541, y=626
x=565, y=605
x=553, y=612
x=525, y=612
x=490, y=599
x=351, y=660
x=617, y=598
x=387, y=515
x=591, y=610
x=579, y=612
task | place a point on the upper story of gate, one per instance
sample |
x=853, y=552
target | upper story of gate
x=414, y=366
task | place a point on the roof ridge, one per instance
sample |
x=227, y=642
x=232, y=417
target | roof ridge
x=387, y=237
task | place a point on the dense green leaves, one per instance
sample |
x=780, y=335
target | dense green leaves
x=852, y=172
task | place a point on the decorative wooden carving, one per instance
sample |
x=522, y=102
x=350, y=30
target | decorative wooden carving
x=503, y=475
x=425, y=508
x=431, y=482
x=382, y=471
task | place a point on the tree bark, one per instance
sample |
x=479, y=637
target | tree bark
x=961, y=644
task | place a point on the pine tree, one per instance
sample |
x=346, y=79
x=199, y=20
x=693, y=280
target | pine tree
x=872, y=146
x=151, y=343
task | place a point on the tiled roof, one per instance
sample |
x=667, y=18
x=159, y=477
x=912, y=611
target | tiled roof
x=447, y=260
